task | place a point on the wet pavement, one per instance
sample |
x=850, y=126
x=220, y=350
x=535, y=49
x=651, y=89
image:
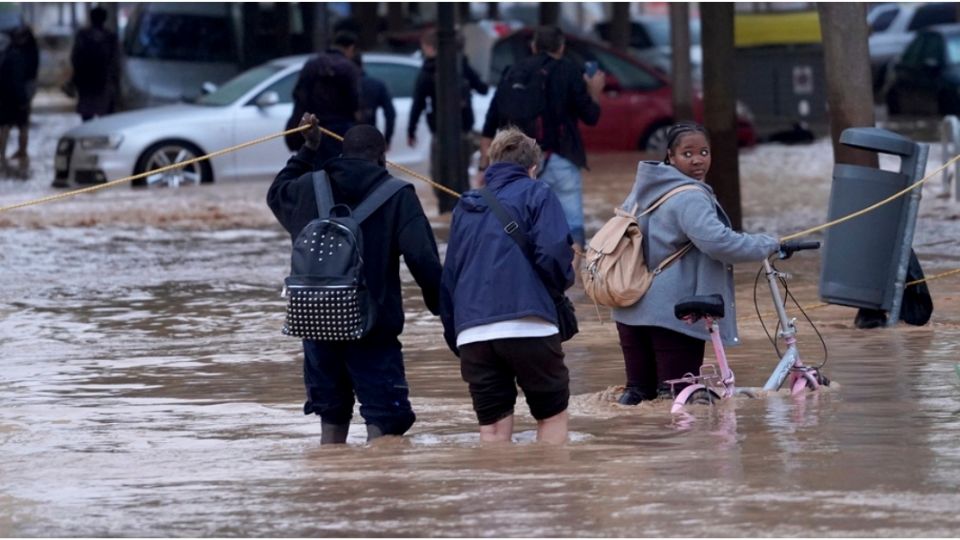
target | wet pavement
x=146, y=390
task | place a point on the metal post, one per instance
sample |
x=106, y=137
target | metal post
x=949, y=147
x=452, y=169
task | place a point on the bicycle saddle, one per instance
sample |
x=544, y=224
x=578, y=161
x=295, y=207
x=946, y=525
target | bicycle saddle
x=699, y=307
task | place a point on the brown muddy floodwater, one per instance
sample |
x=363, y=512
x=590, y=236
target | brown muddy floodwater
x=146, y=390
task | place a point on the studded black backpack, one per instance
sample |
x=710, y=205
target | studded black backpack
x=327, y=297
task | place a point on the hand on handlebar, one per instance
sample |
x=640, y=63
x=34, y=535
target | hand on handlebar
x=788, y=248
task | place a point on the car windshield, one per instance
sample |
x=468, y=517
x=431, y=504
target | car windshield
x=236, y=87
x=659, y=31
x=953, y=50
x=182, y=36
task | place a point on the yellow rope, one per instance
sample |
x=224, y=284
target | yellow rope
x=870, y=208
x=165, y=168
x=812, y=307
x=403, y=169
x=112, y=183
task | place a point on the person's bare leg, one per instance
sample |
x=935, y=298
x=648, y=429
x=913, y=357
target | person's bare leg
x=23, y=137
x=553, y=430
x=499, y=431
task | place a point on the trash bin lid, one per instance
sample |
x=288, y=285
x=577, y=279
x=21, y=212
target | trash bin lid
x=878, y=140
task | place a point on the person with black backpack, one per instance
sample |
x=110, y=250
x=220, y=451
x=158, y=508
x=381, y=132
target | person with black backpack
x=351, y=222
x=546, y=95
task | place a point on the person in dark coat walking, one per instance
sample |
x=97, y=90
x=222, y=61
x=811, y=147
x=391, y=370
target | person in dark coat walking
x=425, y=100
x=374, y=95
x=329, y=88
x=372, y=367
x=497, y=312
x=571, y=97
x=18, y=74
x=96, y=70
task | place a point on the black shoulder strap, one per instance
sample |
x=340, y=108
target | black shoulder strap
x=512, y=228
x=510, y=225
x=323, y=192
x=379, y=196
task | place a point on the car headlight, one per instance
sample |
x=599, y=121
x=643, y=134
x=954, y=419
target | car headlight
x=100, y=142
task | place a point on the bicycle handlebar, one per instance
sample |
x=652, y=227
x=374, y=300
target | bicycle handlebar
x=790, y=247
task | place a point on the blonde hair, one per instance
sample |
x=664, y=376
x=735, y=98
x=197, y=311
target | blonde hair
x=512, y=146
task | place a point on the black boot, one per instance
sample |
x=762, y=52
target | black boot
x=333, y=433
x=631, y=396
x=373, y=432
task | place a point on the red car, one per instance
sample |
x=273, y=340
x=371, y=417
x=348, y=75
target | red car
x=636, y=104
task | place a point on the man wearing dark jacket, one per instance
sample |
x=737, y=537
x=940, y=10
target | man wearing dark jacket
x=374, y=95
x=571, y=97
x=372, y=367
x=497, y=312
x=425, y=99
x=329, y=88
x=96, y=67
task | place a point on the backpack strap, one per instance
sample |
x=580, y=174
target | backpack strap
x=689, y=245
x=380, y=195
x=323, y=192
x=666, y=196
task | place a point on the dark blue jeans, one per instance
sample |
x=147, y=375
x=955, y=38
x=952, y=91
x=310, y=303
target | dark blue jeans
x=371, y=369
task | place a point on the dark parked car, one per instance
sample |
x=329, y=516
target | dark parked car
x=636, y=104
x=926, y=80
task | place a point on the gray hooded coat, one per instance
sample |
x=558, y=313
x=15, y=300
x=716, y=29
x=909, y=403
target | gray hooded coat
x=689, y=216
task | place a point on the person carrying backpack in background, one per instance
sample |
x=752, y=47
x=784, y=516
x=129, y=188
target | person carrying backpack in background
x=96, y=67
x=329, y=88
x=497, y=310
x=546, y=96
x=370, y=367
x=656, y=345
x=425, y=100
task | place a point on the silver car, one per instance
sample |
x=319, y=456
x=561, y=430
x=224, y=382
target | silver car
x=251, y=105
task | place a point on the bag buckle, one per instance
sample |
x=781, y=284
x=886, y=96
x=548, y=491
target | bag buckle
x=511, y=227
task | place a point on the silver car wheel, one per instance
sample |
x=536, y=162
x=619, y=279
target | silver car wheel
x=170, y=155
x=657, y=141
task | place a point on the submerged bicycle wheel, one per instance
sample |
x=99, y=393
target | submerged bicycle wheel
x=703, y=396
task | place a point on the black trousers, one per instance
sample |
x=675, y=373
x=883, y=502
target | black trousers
x=371, y=369
x=652, y=355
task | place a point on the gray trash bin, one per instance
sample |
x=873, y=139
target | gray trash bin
x=865, y=259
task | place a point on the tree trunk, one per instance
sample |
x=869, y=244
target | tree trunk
x=366, y=15
x=321, y=25
x=680, y=68
x=620, y=25
x=719, y=104
x=395, y=20
x=493, y=10
x=847, y=66
x=549, y=13
x=452, y=170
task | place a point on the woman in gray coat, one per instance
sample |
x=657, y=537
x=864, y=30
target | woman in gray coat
x=656, y=346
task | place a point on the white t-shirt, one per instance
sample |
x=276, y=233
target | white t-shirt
x=516, y=328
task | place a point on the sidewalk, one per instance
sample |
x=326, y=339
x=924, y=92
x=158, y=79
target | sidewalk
x=51, y=99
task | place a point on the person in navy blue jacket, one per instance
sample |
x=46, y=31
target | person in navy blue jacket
x=497, y=313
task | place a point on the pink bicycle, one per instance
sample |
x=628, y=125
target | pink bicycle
x=716, y=381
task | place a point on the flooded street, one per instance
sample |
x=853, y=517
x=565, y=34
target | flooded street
x=146, y=390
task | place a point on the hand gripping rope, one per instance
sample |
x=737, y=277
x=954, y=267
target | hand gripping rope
x=198, y=159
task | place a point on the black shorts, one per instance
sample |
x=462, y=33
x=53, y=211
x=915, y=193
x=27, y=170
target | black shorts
x=493, y=369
